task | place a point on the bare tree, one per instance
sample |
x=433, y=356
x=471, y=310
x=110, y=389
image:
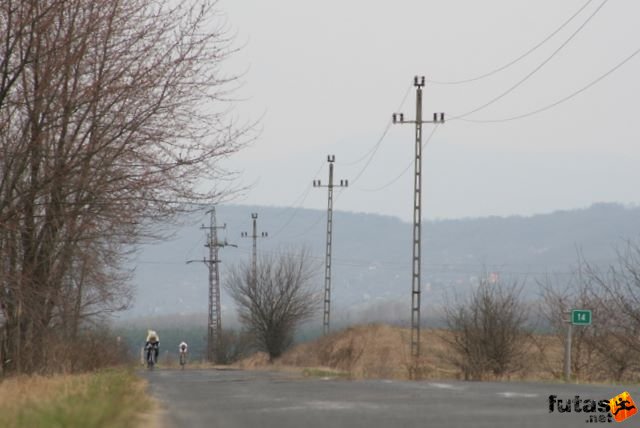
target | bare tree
x=608, y=348
x=559, y=296
x=18, y=20
x=487, y=330
x=281, y=297
x=615, y=295
x=111, y=112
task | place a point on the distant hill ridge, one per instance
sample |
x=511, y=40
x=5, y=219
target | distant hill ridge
x=372, y=253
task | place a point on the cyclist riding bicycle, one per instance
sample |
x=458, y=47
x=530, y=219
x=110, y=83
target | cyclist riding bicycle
x=152, y=345
x=183, y=349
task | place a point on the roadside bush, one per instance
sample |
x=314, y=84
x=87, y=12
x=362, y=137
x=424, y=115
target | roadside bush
x=488, y=335
x=234, y=346
x=91, y=349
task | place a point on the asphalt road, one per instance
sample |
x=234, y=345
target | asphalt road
x=229, y=398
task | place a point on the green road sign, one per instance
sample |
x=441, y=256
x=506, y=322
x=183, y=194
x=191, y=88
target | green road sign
x=581, y=316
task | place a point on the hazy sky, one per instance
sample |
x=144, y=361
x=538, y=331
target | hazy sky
x=327, y=75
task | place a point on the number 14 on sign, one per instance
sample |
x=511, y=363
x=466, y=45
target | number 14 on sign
x=581, y=317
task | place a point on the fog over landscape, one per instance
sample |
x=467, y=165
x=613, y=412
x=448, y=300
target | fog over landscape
x=326, y=77
x=287, y=213
x=372, y=256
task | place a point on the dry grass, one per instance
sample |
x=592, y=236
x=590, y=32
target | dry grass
x=373, y=351
x=257, y=360
x=21, y=391
x=113, y=398
x=383, y=351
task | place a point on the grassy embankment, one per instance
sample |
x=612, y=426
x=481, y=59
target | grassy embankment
x=382, y=351
x=109, y=398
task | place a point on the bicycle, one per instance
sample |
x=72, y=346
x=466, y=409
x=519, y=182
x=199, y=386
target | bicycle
x=183, y=360
x=151, y=358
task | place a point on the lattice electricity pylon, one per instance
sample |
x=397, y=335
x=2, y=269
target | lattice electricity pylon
x=214, y=322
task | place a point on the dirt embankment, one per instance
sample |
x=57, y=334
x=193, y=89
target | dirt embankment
x=383, y=351
x=369, y=351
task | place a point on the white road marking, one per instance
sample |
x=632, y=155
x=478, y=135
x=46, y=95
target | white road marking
x=509, y=394
x=444, y=385
x=322, y=405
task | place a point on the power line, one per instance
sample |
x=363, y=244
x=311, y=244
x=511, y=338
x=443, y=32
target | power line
x=453, y=268
x=509, y=64
x=299, y=205
x=404, y=171
x=317, y=221
x=370, y=154
x=308, y=229
x=295, y=208
x=372, y=151
x=535, y=70
x=188, y=254
x=560, y=101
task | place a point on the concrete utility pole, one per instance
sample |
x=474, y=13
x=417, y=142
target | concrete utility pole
x=254, y=236
x=327, y=269
x=567, y=353
x=418, y=82
x=214, y=330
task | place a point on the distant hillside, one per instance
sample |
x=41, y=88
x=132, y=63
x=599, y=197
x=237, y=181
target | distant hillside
x=372, y=254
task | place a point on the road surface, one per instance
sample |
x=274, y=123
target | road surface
x=233, y=399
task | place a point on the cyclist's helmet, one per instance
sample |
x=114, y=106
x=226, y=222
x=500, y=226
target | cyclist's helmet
x=152, y=336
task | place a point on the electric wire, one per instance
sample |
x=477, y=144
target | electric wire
x=296, y=205
x=450, y=268
x=322, y=215
x=372, y=151
x=382, y=137
x=535, y=70
x=296, y=208
x=560, y=101
x=518, y=59
x=187, y=256
x=404, y=171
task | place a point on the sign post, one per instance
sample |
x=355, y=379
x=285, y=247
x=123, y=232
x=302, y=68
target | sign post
x=577, y=317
